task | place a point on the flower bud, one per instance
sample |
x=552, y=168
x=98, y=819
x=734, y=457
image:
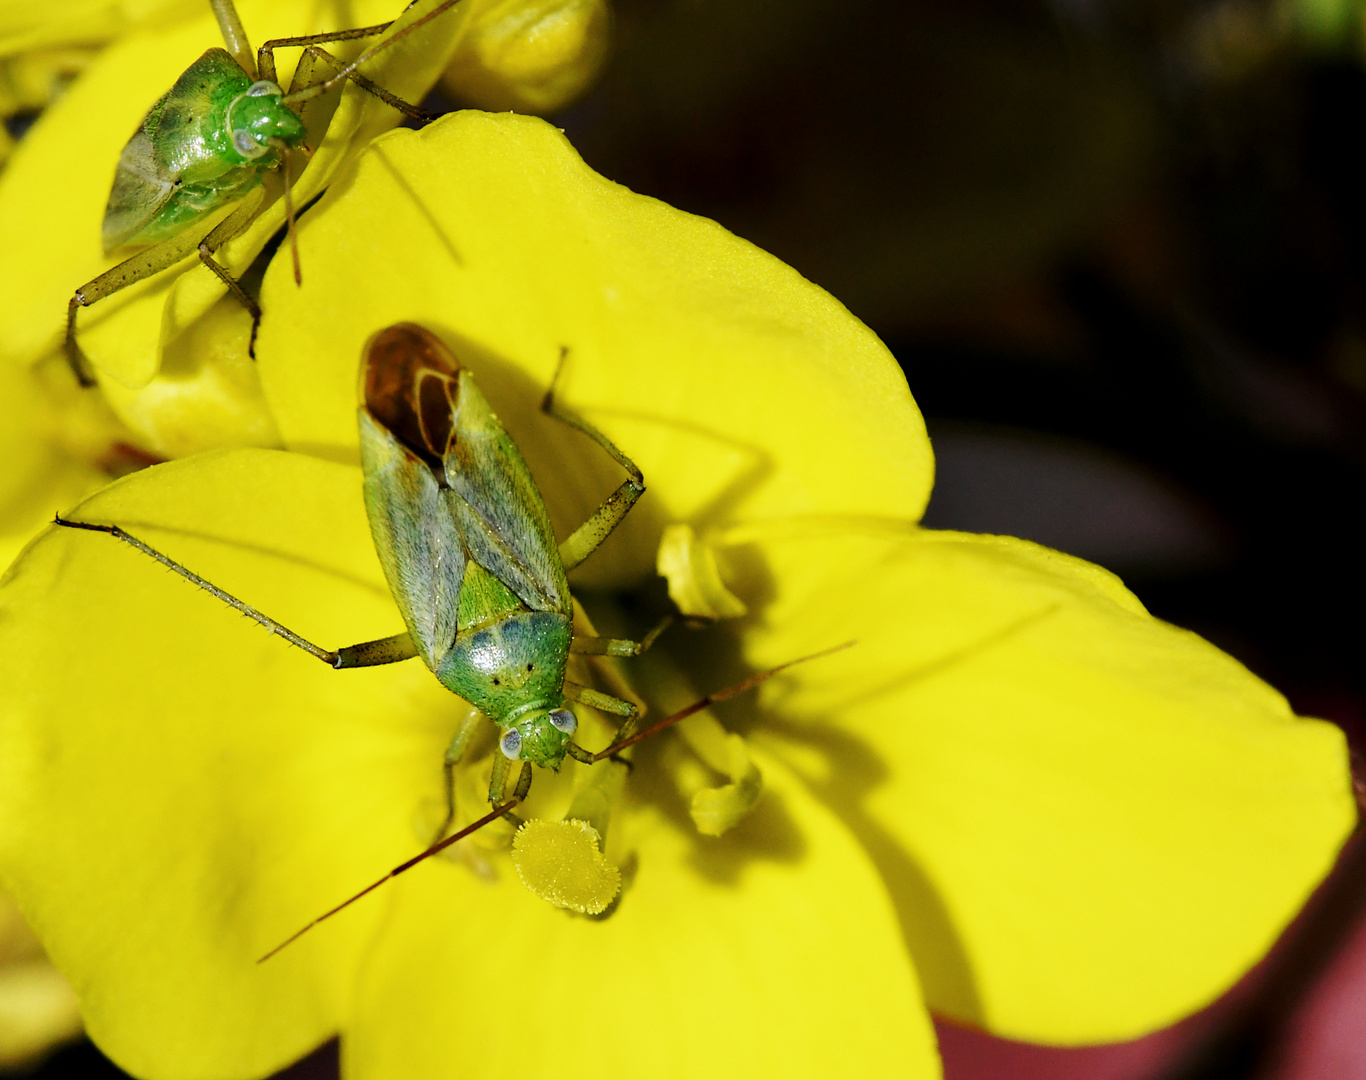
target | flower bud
x=532, y=56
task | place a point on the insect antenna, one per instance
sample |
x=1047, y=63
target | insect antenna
x=492, y=816
x=710, y=699
x=283, y=149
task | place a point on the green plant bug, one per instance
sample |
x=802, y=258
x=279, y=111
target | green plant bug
x=467, y=548
x=208, y=142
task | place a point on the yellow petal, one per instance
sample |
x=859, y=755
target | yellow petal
x=772, y=953
x=51, y=438
x=25, y=26
x=718, y=369
x=178, y=788
x=207, y=394
x=1092, y=822
x=53, y=192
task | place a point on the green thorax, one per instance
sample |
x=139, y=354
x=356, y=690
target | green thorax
x=510, y=667
x=205, y=144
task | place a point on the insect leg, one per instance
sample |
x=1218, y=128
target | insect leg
x=602, y=646
x=390, y=650
x=460, y=742
x=315, y=89
x=498, y=784
x=498, y=780
x=596, y=699
x=129, y=272
x=304, y=73
x=224, y=231
x=265, y=55
x=584, y=540
x=246, y=609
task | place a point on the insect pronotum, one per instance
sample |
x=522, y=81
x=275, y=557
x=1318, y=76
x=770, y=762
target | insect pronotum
x=467, y=548
x=208, y=142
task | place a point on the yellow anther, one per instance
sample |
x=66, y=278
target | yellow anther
x=695, y=586
x=719, y=809
x=561, y=862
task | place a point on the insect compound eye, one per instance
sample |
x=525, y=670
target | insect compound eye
x=245, y=144
x=511, y=744
x=264, y=88
x=564, y=720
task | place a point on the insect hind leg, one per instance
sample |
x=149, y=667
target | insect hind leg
x=586, y=539
x=139, y=267
x=327, y=656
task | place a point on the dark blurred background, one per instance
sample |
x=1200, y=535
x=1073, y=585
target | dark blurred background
x=1117, y=247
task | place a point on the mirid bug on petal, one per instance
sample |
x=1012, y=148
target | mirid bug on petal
x=207, y=143
x=467, y=548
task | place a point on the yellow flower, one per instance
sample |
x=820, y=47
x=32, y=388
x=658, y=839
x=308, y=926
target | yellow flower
x=1018, y=798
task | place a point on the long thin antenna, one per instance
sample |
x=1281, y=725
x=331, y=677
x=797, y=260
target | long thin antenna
x=283, y=149
x=491, y=816
x=309, y=92
x=711, y=699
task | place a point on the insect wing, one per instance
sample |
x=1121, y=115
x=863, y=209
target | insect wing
x=180, y=129
x=141, y=189
x=497, y=506
x=416, y=539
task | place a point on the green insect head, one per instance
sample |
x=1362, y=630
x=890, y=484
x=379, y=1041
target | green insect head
x=541, y=737
x=258, y=121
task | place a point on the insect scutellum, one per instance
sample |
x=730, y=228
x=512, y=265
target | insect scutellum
x=207, y=143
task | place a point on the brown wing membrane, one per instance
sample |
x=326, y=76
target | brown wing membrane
x=409, y=386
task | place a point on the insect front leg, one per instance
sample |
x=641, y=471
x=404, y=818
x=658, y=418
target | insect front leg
x=596, y=699
x=303, y=80
x=460, y=742
x=136, y=268
x=498, y=784
x=147, y=263
x=265, y=55
x=234, y=35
